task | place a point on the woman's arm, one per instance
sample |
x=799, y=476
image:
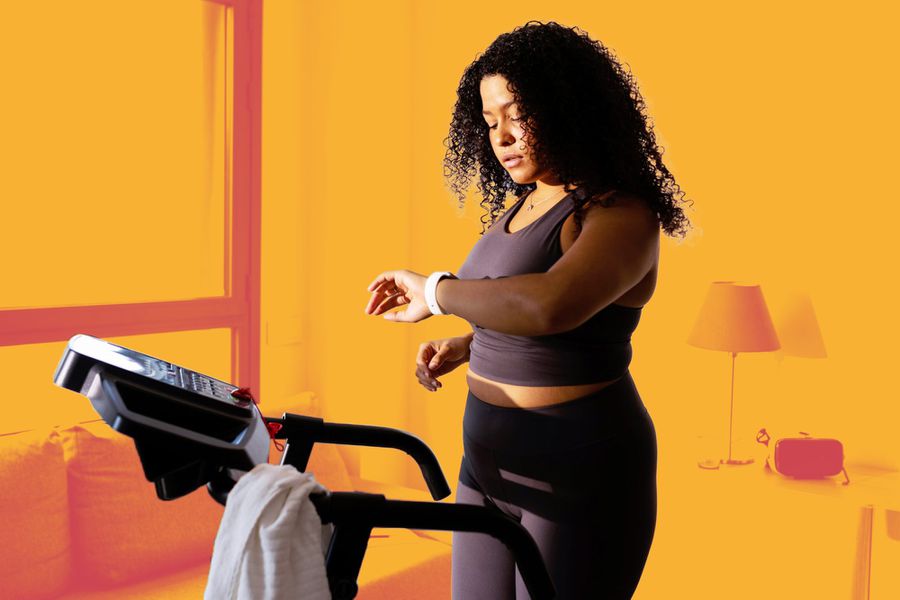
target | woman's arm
x=513, y=305
x=617, y=247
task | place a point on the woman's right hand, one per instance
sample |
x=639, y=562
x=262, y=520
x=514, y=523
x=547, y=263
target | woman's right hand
x=439, y=357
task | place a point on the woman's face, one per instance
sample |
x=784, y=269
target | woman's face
x=505, y=131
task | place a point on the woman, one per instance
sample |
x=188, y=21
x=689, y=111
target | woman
x=555, y=434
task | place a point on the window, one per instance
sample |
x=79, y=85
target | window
x=129, y=171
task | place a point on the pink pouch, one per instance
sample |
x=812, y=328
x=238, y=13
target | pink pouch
x=805, y=457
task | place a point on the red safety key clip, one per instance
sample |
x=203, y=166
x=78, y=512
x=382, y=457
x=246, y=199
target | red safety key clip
x=272, y=427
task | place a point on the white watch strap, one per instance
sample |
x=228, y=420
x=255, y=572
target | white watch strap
x=431, y=288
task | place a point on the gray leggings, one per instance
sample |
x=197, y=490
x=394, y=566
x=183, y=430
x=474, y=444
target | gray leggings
x=581, y=478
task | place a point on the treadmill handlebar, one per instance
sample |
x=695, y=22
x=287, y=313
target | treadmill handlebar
x=302, y=431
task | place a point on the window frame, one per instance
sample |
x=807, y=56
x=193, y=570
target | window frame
x=239, y=308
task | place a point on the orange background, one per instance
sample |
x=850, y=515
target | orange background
x=777, y=120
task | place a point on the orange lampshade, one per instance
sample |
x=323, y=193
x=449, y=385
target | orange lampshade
x=734, y=318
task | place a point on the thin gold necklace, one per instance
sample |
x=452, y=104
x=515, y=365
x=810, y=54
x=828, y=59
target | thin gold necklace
x=533, y=204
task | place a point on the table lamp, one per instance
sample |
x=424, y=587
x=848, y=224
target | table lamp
x=734, y=318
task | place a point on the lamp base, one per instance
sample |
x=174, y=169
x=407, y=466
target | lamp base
x=713, y=464
x=737, y=461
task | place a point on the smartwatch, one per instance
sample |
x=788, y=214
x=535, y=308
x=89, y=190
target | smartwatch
x=431, y=288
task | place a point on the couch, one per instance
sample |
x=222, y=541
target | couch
x=80, y=522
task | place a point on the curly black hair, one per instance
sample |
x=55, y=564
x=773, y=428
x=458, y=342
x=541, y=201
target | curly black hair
x=588, y=120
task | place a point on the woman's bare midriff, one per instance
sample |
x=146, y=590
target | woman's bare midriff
x=520, y=396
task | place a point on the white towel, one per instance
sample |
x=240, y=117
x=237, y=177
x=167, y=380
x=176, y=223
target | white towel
x=271, y=543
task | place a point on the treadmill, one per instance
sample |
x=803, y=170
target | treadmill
x=191, y=430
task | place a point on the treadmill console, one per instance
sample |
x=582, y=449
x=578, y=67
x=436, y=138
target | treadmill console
x=187, y=426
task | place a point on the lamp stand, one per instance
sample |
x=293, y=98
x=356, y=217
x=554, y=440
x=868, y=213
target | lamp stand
x=730, y=460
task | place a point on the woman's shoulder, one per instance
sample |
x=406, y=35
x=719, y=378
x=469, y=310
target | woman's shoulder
x=622, y=201
x=597, y=206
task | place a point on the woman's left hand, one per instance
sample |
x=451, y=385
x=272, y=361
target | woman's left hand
x=393, y=288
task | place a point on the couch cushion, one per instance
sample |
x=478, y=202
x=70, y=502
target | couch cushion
x=34, y=527
x=186, y=584
x=120, y=530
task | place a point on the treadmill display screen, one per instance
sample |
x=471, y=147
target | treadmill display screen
x=154, y=368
